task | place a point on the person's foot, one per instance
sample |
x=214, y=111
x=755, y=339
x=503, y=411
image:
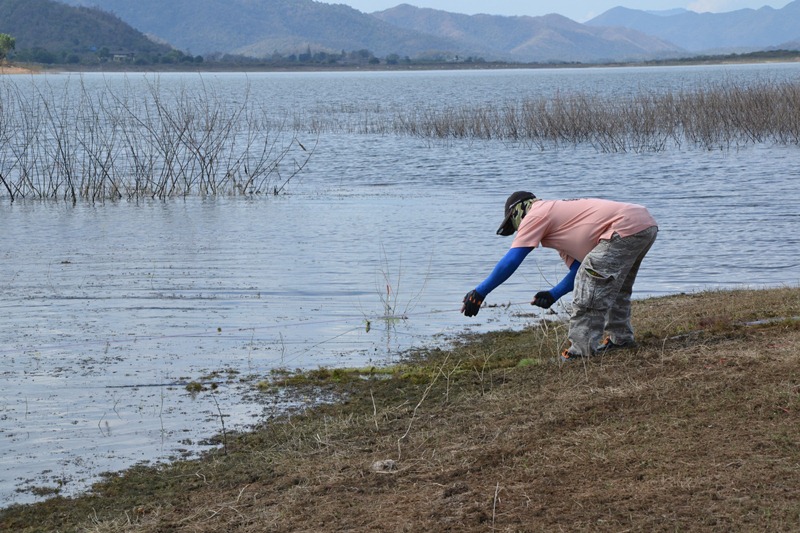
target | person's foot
x=609, y=346
x=603, y=348
x=568, y=356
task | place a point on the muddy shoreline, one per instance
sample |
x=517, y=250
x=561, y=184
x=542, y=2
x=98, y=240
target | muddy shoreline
x=696, y=429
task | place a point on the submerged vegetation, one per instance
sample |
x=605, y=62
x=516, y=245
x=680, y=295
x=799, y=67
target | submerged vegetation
x=73, y=143
x=715, y=117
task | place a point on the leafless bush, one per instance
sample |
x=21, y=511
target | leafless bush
x=95, y=144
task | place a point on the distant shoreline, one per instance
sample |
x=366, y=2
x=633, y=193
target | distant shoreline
x=12, y=69
x=414, y=67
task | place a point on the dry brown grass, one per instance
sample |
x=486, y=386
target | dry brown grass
x=12, y=69
x=696, y=430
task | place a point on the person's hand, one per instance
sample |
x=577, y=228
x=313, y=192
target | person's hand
x=472, y=303
x=543, y=299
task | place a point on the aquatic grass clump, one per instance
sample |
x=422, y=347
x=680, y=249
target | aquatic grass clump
x=731, y=115
x=716, y=117
x=77, y=142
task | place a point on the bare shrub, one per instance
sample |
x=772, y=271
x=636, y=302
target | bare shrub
x=81, y=143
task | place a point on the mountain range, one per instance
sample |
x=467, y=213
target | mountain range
x=740, y=30
x=526, y=39
x=261, y=28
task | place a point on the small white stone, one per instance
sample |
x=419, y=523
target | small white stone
x=387, y=465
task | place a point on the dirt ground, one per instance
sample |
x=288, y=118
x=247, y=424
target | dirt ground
x=697, y=429
x=10, y=69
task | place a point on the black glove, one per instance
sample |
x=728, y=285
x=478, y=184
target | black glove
x=543, y=299
x=472, y=303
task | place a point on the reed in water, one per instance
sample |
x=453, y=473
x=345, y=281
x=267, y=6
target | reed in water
x=78, y=143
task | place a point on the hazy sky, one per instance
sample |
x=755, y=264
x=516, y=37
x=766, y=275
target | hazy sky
x=579, y=10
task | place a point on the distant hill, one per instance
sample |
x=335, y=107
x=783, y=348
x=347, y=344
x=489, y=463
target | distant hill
x=52, y=32
x=668, y=12
x=744, y=29
x=547, y=38
x=262, y=27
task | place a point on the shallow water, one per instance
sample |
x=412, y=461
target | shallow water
x=109, y=310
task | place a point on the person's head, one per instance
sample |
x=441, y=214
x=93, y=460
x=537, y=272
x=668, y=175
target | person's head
x=516, y=207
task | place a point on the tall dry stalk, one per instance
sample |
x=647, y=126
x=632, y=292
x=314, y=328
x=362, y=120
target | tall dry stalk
x=714, y=117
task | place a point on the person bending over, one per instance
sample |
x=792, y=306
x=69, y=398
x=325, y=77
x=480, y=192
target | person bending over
x=602, y=243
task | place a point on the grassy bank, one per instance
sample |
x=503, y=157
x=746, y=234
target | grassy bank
x=698, y=429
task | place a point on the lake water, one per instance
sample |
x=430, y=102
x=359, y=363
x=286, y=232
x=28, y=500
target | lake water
x=109, y=310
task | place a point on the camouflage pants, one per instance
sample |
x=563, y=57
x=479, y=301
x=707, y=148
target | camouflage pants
x=603, y=286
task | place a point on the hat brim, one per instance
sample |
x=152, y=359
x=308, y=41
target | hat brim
x=507, y=227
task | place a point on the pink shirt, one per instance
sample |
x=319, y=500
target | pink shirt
x=574, y=227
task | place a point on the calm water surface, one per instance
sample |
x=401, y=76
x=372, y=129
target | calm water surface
x=109, y=310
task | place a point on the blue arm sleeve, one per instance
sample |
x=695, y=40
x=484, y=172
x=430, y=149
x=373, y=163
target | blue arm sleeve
x=503, y=270
x=568, y=283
